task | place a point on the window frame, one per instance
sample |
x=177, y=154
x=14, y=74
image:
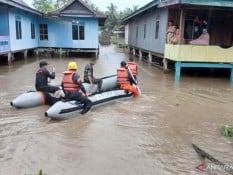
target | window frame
x=137, y=29
x=78, y=31
x=33, y=31
x=144, y=32
x=157, y=26
x=44, y=32
x=18, y=28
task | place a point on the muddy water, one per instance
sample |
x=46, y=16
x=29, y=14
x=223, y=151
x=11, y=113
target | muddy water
x=151, y=134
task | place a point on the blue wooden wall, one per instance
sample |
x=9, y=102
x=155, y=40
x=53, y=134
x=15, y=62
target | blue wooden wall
x=3, y=21
x=150, y=42
x=26, y=19
x=60, y=34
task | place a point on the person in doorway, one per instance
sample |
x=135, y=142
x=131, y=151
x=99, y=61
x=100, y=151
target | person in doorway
x=133, y=68
x=89, y=75
x=42, y=79
x=170, y=32
x=71, y=84
x=125, y=79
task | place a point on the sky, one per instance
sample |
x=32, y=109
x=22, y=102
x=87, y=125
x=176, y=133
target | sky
x=121, y=4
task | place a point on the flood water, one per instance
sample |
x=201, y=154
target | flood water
x=151, y=134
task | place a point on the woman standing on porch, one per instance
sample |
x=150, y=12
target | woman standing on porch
x=170, y=32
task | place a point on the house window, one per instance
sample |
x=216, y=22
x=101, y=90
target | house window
x=33, y=31
x=144, y=30
x=137, y=32
x=78, y=31
x=157, y=29
x=43, y=31
x=18, y=28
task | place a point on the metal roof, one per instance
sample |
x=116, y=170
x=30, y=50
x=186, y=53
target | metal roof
x=166, y=3
x=21, y=5
x=80, y=9
x=143, y=9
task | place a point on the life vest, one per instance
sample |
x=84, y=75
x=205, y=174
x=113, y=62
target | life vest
x=67, y=82
x=122, y=76
x=133, y=67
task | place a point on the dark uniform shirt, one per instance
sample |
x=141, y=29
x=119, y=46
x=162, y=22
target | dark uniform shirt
x=75, y=80
x=88, y=71
x=42, y=76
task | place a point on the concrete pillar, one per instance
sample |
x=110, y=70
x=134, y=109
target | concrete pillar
x=140, y=54
x=150, y=57
x=96, y=54
x=9, y=57
x=60, y=51
x=178, y=70
x=37, y=52
x=165, y=63
x=134, y=52
x=25, y=54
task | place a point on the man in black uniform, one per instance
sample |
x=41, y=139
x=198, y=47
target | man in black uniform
x=42, y=76
x=89, y=75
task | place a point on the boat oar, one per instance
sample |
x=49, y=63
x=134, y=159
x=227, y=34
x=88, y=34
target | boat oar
x=204, y=154
x=108, y=76
x=139, y=90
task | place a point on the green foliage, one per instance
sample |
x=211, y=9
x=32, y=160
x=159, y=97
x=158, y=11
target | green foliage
x=43, y=5
x=92, y=5
x=48, y=5
x=40, y=172
x=114, y=16
x=227, y=131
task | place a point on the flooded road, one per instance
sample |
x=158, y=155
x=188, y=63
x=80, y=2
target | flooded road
x=151, y=134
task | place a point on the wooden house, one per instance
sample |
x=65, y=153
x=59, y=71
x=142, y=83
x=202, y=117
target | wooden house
x=74, y=27
x=148, y=32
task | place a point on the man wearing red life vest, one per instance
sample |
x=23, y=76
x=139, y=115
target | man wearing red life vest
x=71, y=84
x=125, y=79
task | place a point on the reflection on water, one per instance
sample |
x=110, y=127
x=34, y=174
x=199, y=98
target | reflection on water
x=151, y=134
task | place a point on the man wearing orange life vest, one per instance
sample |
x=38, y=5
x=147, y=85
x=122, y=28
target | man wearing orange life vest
x=133, y=68
x=125, y=79
x=71, y=84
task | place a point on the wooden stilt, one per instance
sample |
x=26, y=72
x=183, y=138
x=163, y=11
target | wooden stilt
x=60, y=51
x=134, y=52
x=9, y=57
x=150, y=57
x=165, y=63
x=37, y=52
x=140, y=54
x=25, y=54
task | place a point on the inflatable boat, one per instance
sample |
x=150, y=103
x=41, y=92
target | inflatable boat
x=35, y=98
x=66, y=109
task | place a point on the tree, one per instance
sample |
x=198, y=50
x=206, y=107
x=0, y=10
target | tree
x=112, y=17
x=92, y=6
x=59, y=3
x=43, y=5
x=48, y=5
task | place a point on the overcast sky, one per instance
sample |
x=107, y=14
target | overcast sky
x=121, y=4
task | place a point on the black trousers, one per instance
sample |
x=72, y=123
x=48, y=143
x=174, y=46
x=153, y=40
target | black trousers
x=48, y=88
x=79, y=97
